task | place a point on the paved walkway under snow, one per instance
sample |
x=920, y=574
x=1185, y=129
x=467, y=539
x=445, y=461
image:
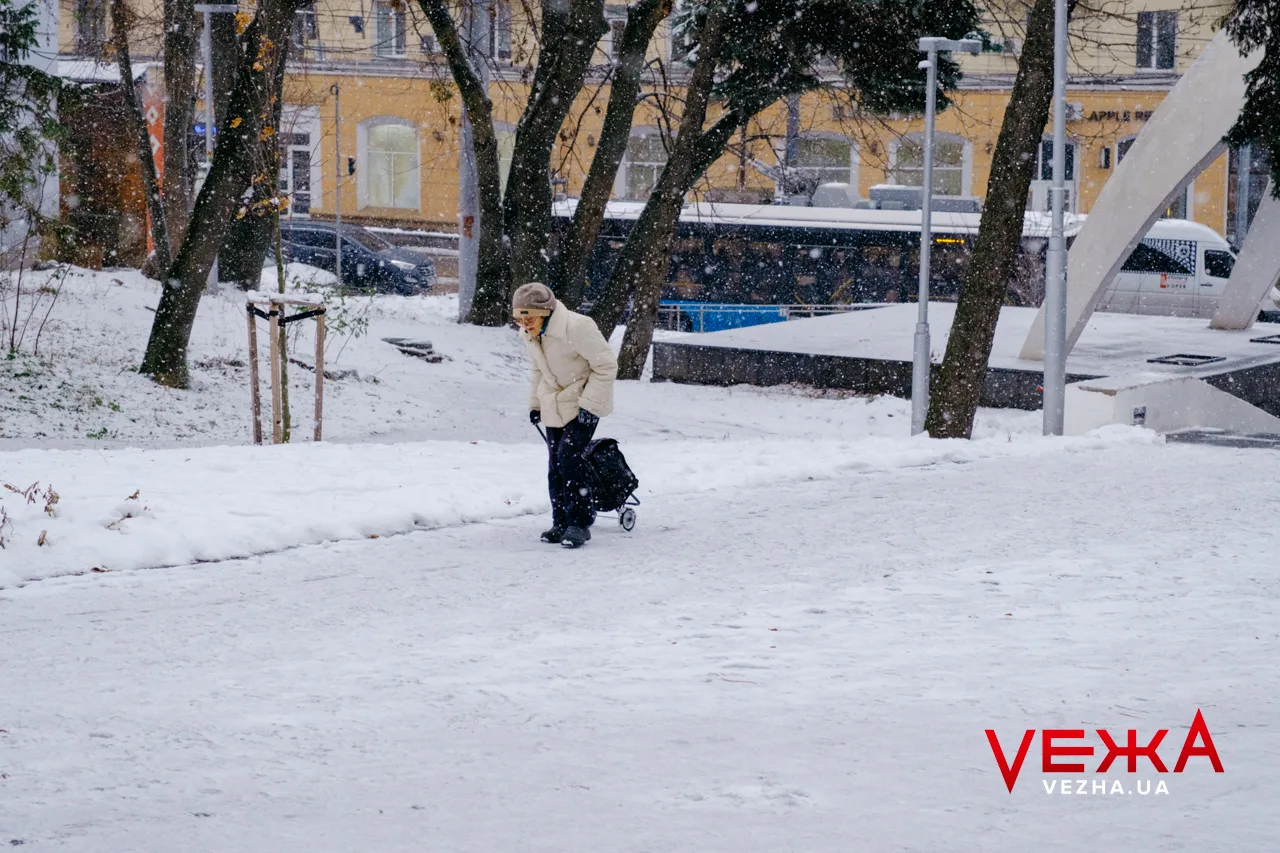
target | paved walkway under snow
x=803, y=667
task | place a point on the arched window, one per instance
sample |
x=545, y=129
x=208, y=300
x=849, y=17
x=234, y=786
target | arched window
x=952, y=163
x=387, y=148
x=645, y=160
x=826, y=159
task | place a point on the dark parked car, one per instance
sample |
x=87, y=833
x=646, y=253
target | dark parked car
x=368, y=261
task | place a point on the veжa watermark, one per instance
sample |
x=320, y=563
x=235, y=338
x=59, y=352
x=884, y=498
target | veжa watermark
x=1053, y=746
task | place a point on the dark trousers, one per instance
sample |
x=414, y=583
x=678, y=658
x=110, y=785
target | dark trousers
x=568, y=479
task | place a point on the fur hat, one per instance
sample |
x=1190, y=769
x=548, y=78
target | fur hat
x=532, y=298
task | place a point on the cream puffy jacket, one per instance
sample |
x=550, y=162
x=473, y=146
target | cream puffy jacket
x=573, y=367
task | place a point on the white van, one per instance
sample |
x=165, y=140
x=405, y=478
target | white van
x=1180, y=269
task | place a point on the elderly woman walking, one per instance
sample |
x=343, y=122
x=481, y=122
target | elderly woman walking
x=570, y=391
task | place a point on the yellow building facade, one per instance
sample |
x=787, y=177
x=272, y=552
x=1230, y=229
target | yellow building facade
x=373, y=117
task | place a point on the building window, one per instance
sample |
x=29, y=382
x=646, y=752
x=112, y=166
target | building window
x=1248, y=171
x=824, y=160
x=427, y=45
x=391, y=172
x=646, y=158
x=613, y=38
x=1157, y=40
x=500, y=31
x=1042, y=181
x=389, y=31
x=1181, y=207
x=951, y=163
x=305, y=28
x=91, y=26
x=1068, y=161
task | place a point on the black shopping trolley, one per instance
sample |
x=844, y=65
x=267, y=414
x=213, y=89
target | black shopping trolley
x=613, y=484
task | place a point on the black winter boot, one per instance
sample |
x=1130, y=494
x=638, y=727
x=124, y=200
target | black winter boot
x=575, y=537
x=553, y=536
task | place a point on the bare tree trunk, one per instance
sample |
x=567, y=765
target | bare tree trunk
x=489, y=306
x=608, y=309
x=570, y=33
x=248, y=239
x=954, y=398
x=181, y=43
x=242, y=254
x=133, y=109
x=569, y=273
x=653, y=232
x=232, y=170
x=224, y=46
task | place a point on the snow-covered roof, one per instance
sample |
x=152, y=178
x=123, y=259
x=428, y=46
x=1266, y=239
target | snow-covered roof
x=1035, y=224
x=839, y=218
x=95, y=71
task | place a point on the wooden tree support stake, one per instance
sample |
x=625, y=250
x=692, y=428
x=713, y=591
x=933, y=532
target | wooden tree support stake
x=277, y=412
x=276, y=305
x=320, y=334
x=255, y=396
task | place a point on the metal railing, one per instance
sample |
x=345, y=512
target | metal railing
x=720, y=316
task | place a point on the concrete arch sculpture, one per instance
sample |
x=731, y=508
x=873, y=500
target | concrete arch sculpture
x=1256, y=270
x=1182, y=137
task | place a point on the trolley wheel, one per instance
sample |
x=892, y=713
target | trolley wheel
x=627, y=518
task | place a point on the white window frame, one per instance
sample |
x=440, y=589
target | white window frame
x=1154, y=19
x=966, y=160
x=500, y=30
x=855, y=158
x=1073, y=186
x=399, y=20
x=621, y=181
x=362, y=160
x=92, y=34
x=613, y=17
x=305, y=28
x=299, y=119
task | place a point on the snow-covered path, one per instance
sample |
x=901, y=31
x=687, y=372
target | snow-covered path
x=795, y=668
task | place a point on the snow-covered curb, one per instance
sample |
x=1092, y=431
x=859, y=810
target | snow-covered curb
x=133, y=509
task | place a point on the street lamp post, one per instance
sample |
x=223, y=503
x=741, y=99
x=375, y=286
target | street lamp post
x=336, y=90
x=475, y=19
x=1055, y=291
x=210, y=118
x=206, y=46
x=920, y=363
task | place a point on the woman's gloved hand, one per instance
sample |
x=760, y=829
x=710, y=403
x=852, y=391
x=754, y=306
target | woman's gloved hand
x=535, y=417
x=586, y=418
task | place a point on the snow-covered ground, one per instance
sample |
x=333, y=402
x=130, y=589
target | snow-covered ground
x=84, y=389
x=798, y=648
x=137, y=509
x=804, y=666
